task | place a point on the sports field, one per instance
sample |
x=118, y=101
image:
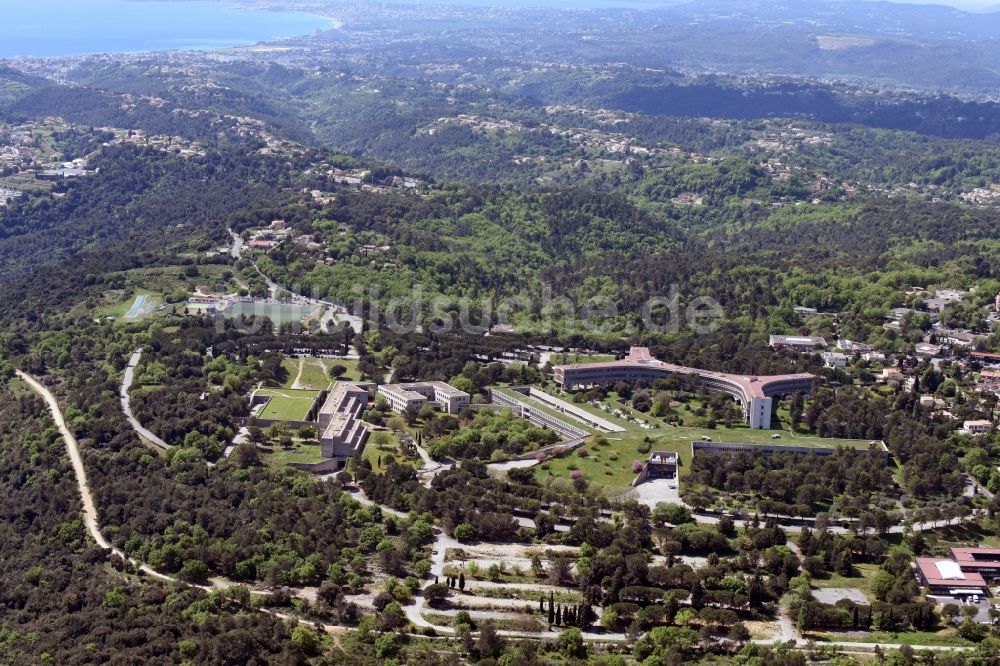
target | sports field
x=287, y=404
x=278, y=313
x=139, y=303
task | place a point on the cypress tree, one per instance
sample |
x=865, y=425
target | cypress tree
x=552, y=613
x=461, y=581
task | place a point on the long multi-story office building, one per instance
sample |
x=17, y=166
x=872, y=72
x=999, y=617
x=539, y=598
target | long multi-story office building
x=754, y=393
x=417, y=394
x=875, y=448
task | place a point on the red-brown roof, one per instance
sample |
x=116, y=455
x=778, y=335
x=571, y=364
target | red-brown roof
x=952, y=575
x=975, y=558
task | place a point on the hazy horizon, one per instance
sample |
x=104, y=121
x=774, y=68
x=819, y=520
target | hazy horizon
x=966, y=5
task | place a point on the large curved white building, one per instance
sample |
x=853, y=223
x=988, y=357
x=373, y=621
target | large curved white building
x=754, y=393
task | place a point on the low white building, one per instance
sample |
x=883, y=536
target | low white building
x=927, y=349
x=930, y=402
x=978, y=427
x=799, y=343
x=417, y=394
x=835, y=360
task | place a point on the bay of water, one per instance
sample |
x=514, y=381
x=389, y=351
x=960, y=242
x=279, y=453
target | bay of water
x=75, y=27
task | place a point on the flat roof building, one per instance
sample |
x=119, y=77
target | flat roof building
x=984, y=561
x=342, y=433
x=417, y=394
x=798, y=343
x=966, y=572
x=927, y=349
x=876, y=448
x=662, y=465
x=978, y=427
x=754, y=393
x=947, y=577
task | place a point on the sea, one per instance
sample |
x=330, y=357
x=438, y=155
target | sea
x=45, y=28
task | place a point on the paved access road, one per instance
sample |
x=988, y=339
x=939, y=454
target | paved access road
x=413, y=613
x=127, y=380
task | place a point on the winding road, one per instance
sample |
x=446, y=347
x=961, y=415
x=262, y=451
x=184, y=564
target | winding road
x=413, y=613
x=127, y=380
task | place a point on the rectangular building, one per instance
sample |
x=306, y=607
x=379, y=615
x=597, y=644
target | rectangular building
x=342, y=433
x=733, y=448
x=947, y=577
x=417, y=394
x=798, y=343
x=980, y=427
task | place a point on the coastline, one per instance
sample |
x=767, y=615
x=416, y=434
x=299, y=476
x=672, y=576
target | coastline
x=52, y=40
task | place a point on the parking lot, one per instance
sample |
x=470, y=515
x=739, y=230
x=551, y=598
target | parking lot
x=983, y=617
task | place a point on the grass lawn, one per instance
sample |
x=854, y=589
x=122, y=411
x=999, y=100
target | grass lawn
x=297, y=453
x=315, y=374
x=863, y=581
x=615, y=476
x=570, y=358
x=163, y=282
x=165, y=279
x=373, y=452
x=942, y=539
x=120, y=302
x=287, y=404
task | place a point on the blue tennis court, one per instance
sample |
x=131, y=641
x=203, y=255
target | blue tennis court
x=138, y=307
